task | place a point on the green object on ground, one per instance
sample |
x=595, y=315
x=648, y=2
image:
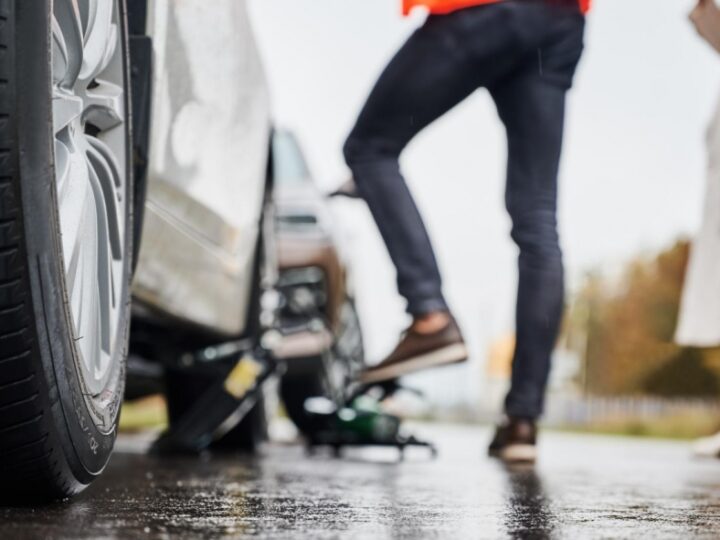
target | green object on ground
x=364, y=420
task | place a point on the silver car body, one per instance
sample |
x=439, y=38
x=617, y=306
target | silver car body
x=210, y=137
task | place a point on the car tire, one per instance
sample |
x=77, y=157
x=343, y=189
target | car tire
x=56, y=430
x=324, y=376
x=305, y=378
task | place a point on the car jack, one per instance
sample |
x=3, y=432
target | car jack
x=360, y=422
x=224, y=404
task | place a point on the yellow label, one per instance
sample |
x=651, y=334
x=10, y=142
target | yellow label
x=243, y=377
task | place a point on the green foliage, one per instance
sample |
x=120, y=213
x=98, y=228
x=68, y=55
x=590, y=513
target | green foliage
x=686, y=374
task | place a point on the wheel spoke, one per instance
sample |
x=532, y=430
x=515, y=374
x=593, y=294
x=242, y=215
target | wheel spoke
x=82, y=7
x=74, y=199
x=104, y=174
x=111, y=161
x=102, y=359
x=82, y=270
x=100, y=39
x=85, y=292
x=67, y=42
x=75, y=285
x=91, y=334
x=103, y=267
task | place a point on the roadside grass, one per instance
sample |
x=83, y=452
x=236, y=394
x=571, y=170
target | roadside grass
x=142, y=414
x=679, y=426
x=687, y=425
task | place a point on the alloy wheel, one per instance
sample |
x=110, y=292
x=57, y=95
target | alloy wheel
x=89, y=123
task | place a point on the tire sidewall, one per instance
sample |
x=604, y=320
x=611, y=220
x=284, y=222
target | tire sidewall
x=86, y=446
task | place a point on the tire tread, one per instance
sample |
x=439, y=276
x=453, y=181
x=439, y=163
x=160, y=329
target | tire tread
x=29, y=467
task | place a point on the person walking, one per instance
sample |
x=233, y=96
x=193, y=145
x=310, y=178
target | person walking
x=525, y=53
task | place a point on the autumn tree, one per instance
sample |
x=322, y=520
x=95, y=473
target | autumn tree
x=628, y=330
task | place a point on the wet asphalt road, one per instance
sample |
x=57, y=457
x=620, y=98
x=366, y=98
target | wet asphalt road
x=584, y=487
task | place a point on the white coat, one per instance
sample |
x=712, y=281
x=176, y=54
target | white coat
x=699, y=323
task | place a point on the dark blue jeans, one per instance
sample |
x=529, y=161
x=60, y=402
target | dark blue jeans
x=525, y=53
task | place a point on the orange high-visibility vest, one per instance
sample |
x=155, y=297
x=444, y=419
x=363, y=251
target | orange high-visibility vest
x=440, y=7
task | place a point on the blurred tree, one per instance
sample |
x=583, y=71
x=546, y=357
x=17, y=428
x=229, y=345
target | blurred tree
x=625, y=332
x=684, y=375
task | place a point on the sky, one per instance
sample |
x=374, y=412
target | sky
x=632, y=178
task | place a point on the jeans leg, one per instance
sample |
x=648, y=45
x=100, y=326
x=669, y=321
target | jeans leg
x=427, y=77
x=533, y=112
x=383, y=188
x=531, y=104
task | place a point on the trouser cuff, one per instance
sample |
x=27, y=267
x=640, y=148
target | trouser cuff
x=423, y=307
x=523, y=410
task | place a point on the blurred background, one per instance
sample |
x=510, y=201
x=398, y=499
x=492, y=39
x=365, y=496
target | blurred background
x=632, y=187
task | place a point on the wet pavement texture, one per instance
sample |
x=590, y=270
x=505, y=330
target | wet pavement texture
x=583, y=487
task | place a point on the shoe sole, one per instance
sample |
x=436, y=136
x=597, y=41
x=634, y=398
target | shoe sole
x=451, y=354
x=517, y=453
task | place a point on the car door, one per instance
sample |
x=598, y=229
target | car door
x=207, y=171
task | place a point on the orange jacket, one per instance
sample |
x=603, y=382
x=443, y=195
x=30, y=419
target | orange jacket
x=447, y=6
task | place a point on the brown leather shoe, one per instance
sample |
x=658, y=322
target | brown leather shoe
x=418, y=352
x=515, y=441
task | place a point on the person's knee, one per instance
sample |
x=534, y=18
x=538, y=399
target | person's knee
x=361, y=149
x=535, y=233
x=355, y=149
